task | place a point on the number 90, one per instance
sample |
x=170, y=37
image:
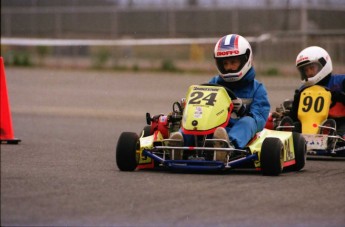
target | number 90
x=308, y=103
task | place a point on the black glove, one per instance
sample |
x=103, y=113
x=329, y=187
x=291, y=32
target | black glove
x=241, y=112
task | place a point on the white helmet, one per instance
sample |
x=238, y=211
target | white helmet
x=314, y=55
x=233, y=46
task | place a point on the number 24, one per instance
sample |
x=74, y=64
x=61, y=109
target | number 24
x=198, y=96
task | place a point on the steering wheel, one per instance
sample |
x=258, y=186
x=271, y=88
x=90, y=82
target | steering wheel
x=230, y=93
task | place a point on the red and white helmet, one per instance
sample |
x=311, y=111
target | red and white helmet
x=314, y=55
x=229, y=46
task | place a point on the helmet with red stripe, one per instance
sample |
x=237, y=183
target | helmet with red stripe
x=229, y=48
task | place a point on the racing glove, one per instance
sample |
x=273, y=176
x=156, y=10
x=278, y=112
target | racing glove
x=239, y=107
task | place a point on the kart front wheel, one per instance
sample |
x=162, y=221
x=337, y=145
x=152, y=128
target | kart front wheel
x=126, y=157
x=272, y=157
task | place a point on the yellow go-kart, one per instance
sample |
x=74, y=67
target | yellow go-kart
x=206, y=108
x=315, y=122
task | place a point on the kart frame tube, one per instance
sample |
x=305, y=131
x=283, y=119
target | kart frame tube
x=199, y=164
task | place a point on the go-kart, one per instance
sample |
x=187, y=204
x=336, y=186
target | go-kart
x=315, y=122
x=205, y=108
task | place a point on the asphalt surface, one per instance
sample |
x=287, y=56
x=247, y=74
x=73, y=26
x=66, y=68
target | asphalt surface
x=63, y=173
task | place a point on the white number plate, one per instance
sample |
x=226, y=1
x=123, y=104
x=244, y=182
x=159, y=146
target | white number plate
x=316, y=141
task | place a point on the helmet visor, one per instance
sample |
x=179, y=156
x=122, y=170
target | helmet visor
x=231, y=64
x=309, y=70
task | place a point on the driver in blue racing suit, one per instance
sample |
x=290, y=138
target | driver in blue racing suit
x=234, y=60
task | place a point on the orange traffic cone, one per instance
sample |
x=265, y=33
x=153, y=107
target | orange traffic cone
x=6, y=130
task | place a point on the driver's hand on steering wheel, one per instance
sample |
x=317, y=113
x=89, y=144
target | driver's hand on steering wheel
x=277, y=114
x=239, y=107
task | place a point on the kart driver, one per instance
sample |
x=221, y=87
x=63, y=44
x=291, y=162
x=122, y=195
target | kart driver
x=234, y=60
x=315, y=67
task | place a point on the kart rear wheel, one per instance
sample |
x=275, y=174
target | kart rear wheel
x=272, y=156
x=300, y=148
x=126, y=157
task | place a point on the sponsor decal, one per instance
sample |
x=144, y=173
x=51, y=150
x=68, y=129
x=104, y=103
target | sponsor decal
x=228, y=52
x=219, y=113
x=205, y=89
x=301, y=58
x=198, y=112
x=316, y=141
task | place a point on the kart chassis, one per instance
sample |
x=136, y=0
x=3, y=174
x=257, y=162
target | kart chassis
x=199, y=163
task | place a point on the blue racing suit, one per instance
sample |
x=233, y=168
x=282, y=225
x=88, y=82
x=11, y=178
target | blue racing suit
x=254, y=95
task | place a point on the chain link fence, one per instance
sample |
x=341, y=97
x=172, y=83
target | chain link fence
x=289, y=25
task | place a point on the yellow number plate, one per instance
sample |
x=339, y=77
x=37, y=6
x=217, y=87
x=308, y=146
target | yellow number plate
x=313, y=108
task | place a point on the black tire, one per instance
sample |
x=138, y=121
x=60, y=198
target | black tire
x=126, y=157
x=286, y=121
x=146, y=131
x=300, y=148
x=272, y=157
